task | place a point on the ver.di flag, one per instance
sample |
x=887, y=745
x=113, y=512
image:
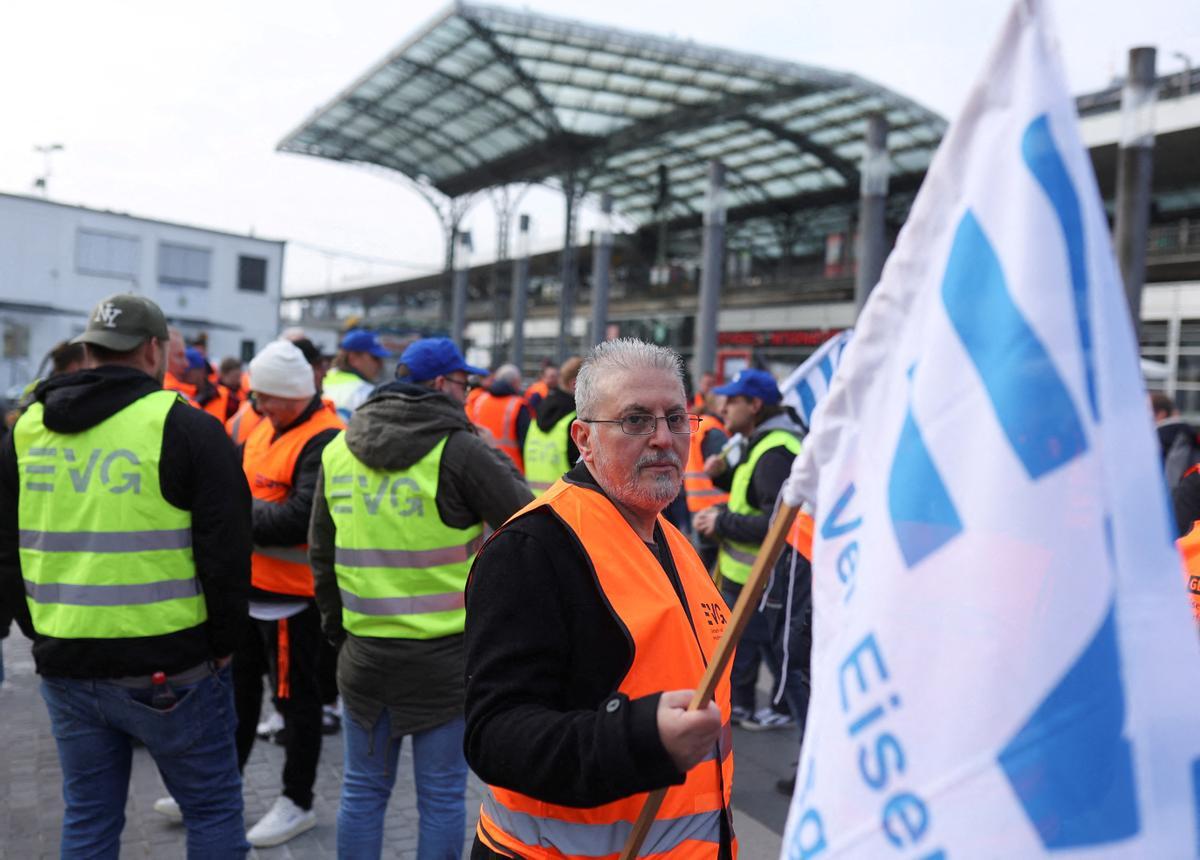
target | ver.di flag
x=808, y=383
x=1004, y=664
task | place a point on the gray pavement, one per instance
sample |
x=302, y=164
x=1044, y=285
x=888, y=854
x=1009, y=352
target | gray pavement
x=31, y=802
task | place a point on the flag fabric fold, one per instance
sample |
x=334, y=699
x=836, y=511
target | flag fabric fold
x=807, y=385
x=1004, y=664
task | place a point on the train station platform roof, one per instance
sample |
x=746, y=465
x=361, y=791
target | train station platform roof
x=484, y=96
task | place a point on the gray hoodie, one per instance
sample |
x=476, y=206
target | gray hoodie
x=418, y=681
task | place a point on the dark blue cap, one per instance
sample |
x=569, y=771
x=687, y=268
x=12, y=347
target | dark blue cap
x=195, y=359
x=752, y=383
x=435, y=356
x=361, y=340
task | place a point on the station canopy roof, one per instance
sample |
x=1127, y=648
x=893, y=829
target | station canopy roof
x=486, y=96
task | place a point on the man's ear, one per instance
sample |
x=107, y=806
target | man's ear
x=581, y=435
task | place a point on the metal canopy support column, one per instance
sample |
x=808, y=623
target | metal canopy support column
x=1135, y=169
x=601, y=262
x=872, y=206
x=520, y=293
x=566, y=308
x=710, y=275
x=462, y=268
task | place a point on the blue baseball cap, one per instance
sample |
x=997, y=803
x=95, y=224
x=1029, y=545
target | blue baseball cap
x=752, y=383
x=435, y=356
x=195, y=359
x=361, y=340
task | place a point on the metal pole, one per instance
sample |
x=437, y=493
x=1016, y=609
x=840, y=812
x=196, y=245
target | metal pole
x=462, y=267
x=566, y=308
x=710, y=275
x=872, y=231
x=520, y=293
x=1135, y=169
x=601, y=260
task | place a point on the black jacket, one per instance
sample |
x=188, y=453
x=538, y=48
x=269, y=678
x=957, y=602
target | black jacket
x=545, y=656
x=286, y=524
x=198, y=472
x=553, y=408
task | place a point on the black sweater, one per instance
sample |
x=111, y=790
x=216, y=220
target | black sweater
x=544, y=657
x=198, y=472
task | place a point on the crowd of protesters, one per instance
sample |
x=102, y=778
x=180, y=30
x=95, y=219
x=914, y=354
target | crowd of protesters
x=182, y=540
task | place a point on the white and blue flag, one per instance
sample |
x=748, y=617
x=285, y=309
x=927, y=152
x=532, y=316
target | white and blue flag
x=808, y=383
x=1004, y=661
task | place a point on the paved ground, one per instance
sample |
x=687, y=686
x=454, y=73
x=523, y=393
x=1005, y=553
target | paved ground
x=31, y=803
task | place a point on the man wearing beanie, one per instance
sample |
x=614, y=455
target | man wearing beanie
x=390, y=568
x=281, y=459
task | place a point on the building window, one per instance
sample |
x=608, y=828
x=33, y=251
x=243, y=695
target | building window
x=108, y=255
x=252, y=274
x=247, y=351
x=183, y=266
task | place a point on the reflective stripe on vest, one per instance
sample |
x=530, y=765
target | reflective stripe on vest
x=103, y=554
x=242, y=424
x=399, y=567
x=701, y=492
x=546, y=454
x=499, y=416
x=735, y=559
x=668, y=653
x=269, y=464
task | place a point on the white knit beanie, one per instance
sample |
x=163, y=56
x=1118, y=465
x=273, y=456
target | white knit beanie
x=282, y=371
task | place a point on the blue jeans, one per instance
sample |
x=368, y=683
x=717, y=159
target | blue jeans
x=439, y=770
x=192, y=744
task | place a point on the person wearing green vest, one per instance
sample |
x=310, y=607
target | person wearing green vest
x=753, y=408
x=550, y=451
x=125, y=551
x=355, y=371
x=400, y=508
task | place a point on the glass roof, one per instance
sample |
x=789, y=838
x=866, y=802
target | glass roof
x=486, y=96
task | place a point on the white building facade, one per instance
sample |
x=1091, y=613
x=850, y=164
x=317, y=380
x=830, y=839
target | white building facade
x=58, y=261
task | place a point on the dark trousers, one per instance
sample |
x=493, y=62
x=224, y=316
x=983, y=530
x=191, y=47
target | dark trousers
x=287, y=652
x=752, y=649
x=792, y=631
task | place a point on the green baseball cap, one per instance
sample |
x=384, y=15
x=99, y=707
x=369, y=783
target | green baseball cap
x=122, y=321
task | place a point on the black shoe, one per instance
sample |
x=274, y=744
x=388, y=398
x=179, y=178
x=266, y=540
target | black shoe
x=786, y=787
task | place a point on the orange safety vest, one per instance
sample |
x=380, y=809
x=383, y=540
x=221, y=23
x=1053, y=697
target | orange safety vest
x=1189, y=548
x=218, y=407
x=539, y=388
x=269, y=464
x=670, y=652
x=171, y=382
x=701, y=491
x=499, y=415
x=242, y=424
x=472, y=396
x=800, y=535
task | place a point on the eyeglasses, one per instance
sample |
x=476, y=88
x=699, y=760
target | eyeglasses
x=644, y=424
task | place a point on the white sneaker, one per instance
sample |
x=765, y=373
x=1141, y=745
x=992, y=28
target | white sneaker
x=169, y=809
x=283, y=821
x=270, y=725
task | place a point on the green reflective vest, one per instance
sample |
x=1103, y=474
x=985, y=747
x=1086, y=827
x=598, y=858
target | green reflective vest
x=339, y=387
x=400, y=570
x=735, y=559
x=546, y=454
x=103, y=554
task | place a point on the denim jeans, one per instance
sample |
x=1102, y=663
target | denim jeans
x=440, y=773
x=94, y=723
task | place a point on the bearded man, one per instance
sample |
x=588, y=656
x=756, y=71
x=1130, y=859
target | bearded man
x=590, y=620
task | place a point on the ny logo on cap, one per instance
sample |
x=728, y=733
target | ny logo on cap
x=107, y=313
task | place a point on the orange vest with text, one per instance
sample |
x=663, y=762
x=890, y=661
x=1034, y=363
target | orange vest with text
x=1189, y=548
x=499, y=415
x=269, y=464
x=701, y=491
x=670, y=652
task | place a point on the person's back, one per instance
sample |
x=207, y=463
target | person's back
x=126, y=525
x=549, y=450
x=503, y=412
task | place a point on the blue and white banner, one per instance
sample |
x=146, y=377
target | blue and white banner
x=1004, y=661
x=808, y=383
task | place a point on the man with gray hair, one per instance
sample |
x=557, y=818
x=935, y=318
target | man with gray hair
x=503, y=412
x=590, y=620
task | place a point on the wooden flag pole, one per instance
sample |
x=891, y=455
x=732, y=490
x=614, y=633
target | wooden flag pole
x=747, y=603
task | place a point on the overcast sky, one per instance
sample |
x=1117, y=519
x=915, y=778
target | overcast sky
x=173, y=111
